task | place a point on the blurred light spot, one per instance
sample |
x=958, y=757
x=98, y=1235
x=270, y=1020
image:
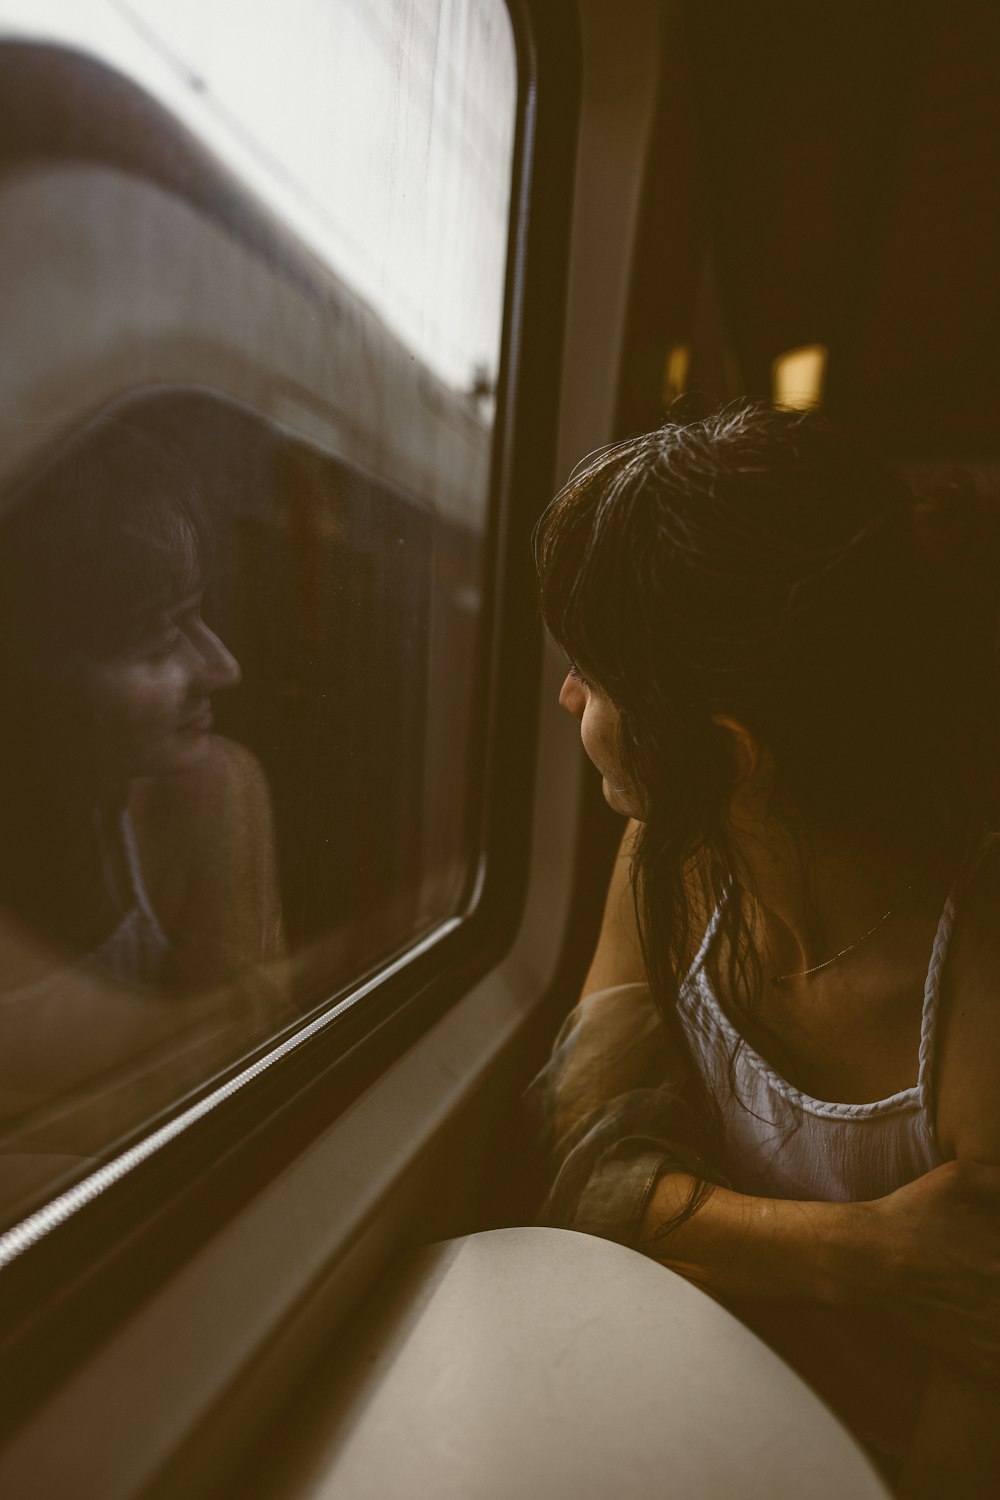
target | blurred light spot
x=797, y=376
x=675, y=372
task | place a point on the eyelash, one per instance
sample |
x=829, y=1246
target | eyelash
x=577, y=675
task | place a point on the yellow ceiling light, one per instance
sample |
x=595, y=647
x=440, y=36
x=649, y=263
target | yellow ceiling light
x=675, y=372
x=797, y=376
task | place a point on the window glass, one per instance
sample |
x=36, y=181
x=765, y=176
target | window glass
x=252, y=287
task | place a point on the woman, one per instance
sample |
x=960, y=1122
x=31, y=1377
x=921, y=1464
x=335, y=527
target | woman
x=781, y=1078
x=137, y=871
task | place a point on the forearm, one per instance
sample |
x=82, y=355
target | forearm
x=744, y=1248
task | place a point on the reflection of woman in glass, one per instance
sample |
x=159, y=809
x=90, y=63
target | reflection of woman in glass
x=135, y=845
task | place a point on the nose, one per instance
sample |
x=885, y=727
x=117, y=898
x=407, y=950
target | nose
x=219, y=668
x=573, y=696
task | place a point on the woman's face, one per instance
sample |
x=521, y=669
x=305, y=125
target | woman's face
x=148, y=705
x=598, y=718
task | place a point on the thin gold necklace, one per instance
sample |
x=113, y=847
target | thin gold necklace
x=779, y=979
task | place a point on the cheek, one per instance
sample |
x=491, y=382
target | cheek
x=573, y=696
x=599, y=732
x=131, y=700
x=589, y=738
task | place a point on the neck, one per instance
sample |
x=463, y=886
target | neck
x=819, y=898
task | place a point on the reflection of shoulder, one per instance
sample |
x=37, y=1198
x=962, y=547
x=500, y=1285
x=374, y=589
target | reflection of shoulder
x=204, y=827
x=229, y=779
x=231, y=760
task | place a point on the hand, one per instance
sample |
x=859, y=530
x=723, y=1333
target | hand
x=934, y=1262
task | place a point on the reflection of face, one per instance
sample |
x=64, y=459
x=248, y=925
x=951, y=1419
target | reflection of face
x=148, y=705
x=598, y=718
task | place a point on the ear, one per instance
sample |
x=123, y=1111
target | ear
x=745, y=747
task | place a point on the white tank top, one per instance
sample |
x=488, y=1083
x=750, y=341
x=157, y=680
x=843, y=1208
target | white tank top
x=782, y=1143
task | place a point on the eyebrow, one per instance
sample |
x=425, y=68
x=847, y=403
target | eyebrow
x=153, y=617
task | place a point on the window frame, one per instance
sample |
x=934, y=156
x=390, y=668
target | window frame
x=70, y=1286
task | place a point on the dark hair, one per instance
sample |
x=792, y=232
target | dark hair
x=94, y=542
x=760, y=565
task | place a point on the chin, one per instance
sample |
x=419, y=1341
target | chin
x=618, y=800
x=181, y=753
x=192, y=751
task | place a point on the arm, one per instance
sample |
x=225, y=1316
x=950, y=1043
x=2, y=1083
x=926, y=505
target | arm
x=608, y=1031
x=927, y=1255
x=208, y=846
x=232, y=920
x=956, y=1449
x=610, y=1100
x=618, y=956
x=742, y=1248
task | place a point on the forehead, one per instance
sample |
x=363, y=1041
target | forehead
x=165, y=609
x=147, y=579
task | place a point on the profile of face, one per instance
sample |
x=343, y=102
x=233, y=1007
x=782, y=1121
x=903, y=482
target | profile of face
x=103, y=563
x=147, y=705
x=598, y=718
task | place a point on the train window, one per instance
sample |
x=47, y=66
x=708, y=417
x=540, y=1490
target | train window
x=253, y=285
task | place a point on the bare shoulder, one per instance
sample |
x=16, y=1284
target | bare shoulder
x=202, y=826
x=229, y=776
x=967, y=1066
